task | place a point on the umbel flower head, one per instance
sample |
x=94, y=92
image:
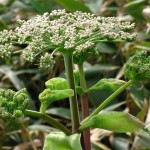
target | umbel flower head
x=13, y=104
x=138, y=67
x=66, y=32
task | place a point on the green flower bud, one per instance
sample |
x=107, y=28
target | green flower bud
x=26, y=103
x=138, y=67
x=6, y=115
x=20, y=96
x=8, y=94
x=3, y=102
x=17, y=114
x=13, y=104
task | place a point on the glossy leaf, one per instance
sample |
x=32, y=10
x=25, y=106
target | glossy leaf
x=110, y=85
x=72, y=5
x=119, y=122
x=56, y=84
x=48, y=96
x=60, y=141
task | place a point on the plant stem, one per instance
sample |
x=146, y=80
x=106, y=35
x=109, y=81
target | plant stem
x=107, y=101
x=85, y=108
x=49, y=119
x=68, y=61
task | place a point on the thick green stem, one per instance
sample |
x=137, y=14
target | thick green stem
x=68, y=61
x=49, y=119
x=85, y=108
x=107, y=101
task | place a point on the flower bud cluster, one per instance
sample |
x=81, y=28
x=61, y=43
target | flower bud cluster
x=13, y=104
x=138, y=67
x=68, y=31
x=5, y=50
x=46, y=62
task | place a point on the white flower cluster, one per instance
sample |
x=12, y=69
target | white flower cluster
x=5, y=36
x=84, y=46
x=46, y=62
x=68, y=31
x=5, y=50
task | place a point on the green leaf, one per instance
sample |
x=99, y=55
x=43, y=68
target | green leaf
x=143, y=35
x=109, y=48
x=95, y=5
x=134, y=4
x=72, y=5
x=96, y=70
x=42, y=6
x=121, y=143
x=39, y=127
x=56, y=84
x=110, y=85
x=143, y=45
x=60, y=111
x=48, y=96
x=60, y=141
x=119, y=122
x=12, y=77
x=135, y=9
x=141, y=141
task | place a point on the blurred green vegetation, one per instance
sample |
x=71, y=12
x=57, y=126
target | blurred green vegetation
x=16, y=74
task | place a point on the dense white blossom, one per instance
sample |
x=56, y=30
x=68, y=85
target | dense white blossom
x=5, y=50
x=46, y=62
x=68, y=31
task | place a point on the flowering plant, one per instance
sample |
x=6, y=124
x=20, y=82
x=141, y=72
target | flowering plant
x=75, y=36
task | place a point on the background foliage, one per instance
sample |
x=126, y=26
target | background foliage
x=16, y=74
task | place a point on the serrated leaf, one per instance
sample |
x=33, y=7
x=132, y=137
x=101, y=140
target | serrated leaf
x=56, y=84
x=119, y=122
x=60, y=141
x=48, y=96
x=110, y=85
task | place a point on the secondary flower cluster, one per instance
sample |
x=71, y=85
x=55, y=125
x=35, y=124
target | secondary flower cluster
x=138, y=67
x=76, y=31
x=13, y=104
